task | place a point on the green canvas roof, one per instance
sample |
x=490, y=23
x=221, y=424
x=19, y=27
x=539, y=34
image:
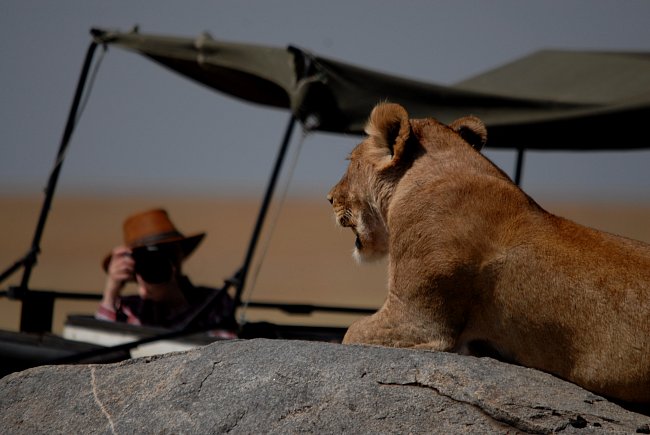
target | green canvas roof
x=548, y=100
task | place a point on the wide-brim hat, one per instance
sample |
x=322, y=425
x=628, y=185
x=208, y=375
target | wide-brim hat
x=153, y=228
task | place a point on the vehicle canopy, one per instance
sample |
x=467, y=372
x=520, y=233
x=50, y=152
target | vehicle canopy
x=549, y=100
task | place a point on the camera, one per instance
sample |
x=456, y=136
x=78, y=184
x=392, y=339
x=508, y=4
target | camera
x=153, y=264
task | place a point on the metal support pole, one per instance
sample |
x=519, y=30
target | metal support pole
x=33, y=313
x=519, y=166
x=240, y=277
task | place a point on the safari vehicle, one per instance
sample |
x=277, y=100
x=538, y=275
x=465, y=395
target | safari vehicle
x=550, y=100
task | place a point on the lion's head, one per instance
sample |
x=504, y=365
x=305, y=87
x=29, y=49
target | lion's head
x=377, y=165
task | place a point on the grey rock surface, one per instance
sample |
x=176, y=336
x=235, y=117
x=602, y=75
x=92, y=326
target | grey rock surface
x=275, y=386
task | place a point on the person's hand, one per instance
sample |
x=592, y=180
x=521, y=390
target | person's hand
x=120, y=271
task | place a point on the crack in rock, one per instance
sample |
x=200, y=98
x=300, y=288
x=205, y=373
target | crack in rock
x=214, y=365
x=496, y=415
x=93, y=384
x=230, y=426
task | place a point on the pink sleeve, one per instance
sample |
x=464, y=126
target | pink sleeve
x=106, y=313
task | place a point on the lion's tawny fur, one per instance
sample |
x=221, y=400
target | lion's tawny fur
x=477, y=267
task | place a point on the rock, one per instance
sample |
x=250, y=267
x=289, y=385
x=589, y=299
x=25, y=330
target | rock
x=276, y=386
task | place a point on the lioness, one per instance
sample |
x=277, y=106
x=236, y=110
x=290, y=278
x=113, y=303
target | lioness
x=477, y=267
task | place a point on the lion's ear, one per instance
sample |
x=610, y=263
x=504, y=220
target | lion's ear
x=472, y=130
x=390, y=129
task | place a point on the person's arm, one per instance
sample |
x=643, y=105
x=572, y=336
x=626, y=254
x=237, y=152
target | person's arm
x=120, y=271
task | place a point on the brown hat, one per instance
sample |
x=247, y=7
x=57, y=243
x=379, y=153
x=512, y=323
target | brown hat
x=153, y=227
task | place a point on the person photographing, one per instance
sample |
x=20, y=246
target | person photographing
x=152, y=256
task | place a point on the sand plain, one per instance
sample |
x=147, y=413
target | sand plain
x=306, y=259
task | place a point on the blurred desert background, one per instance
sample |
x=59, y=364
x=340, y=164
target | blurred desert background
x=147, y=130
x=307, y=259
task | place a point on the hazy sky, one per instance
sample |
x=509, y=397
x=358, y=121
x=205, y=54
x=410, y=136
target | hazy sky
x=146, y=129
